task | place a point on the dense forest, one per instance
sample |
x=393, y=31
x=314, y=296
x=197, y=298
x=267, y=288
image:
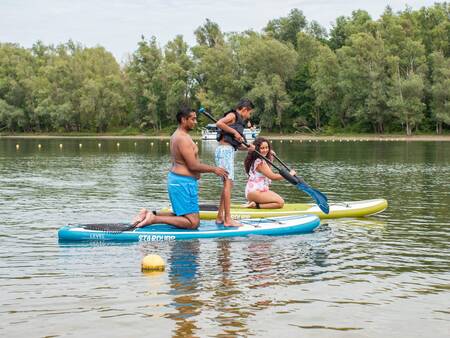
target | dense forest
x=364, y=75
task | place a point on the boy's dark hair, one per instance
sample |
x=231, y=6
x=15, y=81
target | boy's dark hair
x=245, y=103
x=184, y=112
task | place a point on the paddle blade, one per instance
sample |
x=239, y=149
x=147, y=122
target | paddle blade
x=300, y=180
x=320, y=198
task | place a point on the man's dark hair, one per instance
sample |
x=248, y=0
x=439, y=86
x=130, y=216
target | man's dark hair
x=184, y=112
x=245, y=103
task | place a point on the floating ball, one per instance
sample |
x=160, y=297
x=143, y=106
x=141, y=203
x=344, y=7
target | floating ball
x=152, y=263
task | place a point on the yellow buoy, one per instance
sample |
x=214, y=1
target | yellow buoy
x=135, y=144
x=99, y=145
x=60, y=145
x=152, y=263
x=39, y=146
x=17, y=146
x=81, y=145
x=118, y=144
x=151, y=143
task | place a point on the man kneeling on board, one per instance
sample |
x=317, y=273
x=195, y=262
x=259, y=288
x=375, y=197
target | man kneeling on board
x=182, y=180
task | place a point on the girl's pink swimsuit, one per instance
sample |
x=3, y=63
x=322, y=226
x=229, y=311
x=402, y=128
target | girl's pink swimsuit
x=256, y=180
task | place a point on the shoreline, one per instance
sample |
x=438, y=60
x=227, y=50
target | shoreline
x=278, y=137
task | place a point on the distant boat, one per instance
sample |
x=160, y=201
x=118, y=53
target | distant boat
x=210, y=132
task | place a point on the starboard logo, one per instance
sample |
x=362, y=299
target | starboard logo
x=156, y=238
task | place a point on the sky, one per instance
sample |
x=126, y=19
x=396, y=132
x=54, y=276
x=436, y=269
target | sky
x=118, y=25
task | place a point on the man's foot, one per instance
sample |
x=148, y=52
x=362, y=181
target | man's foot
x=233, y=223
x=219, y=221
x=140, y=216
x=249, y=205
x=149, y=219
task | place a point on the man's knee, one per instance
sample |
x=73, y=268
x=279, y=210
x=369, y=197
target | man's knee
x=194, y=221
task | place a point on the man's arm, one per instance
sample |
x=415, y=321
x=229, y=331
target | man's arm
x=185, y=149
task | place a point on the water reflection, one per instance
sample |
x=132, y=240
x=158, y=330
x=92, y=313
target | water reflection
x=183, y=272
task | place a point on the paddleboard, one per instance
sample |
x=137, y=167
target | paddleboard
x=337, y=210
x=277, y=226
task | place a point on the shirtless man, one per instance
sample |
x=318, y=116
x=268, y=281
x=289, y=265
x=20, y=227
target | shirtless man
x=182, y=180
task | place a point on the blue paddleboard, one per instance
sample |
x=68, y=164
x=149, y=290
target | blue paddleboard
x=276, y=226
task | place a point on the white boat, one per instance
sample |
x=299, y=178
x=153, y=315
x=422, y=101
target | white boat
x=210, y=132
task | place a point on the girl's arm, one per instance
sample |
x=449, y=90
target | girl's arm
x=264, y=169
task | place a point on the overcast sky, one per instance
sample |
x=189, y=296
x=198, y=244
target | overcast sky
x=118, y=25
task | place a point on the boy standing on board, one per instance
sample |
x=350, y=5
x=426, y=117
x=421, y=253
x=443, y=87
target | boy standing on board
x=230, y=137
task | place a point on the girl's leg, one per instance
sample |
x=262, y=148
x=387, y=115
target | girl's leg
x=266, y=200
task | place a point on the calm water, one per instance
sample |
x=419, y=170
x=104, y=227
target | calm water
x=383, y=276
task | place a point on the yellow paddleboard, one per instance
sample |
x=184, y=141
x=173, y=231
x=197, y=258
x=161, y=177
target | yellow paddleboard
x=337, y=210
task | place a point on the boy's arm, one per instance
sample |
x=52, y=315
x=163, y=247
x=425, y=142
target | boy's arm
x=224, y=123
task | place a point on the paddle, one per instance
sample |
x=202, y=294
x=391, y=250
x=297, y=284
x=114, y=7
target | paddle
x=112, y=228
x=318, y=196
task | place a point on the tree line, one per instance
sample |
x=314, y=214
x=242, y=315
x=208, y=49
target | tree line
x=364, y=75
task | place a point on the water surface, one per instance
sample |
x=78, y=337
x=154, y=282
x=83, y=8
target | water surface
x=382, y=276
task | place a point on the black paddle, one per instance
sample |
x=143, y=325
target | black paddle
x=112, y=228
x=318, y=196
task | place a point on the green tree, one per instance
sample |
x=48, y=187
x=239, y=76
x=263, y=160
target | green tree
x=440, y=90
x=271, y=100
x=209, y=34
x=145, y=84
x=285, y=29
x=359, y=22
x=324, y=74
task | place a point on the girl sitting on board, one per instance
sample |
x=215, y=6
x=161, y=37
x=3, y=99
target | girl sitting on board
x=260, y=175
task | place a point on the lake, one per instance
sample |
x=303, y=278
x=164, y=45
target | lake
x=382, y=276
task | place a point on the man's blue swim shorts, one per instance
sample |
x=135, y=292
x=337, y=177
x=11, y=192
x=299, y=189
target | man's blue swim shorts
x=183, y=194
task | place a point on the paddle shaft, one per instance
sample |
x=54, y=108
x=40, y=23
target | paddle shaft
x=300, y=179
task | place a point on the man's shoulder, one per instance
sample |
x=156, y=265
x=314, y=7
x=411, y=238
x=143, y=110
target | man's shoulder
x=180, y=137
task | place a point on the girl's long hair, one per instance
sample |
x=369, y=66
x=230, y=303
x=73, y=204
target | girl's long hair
x=252, y=156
